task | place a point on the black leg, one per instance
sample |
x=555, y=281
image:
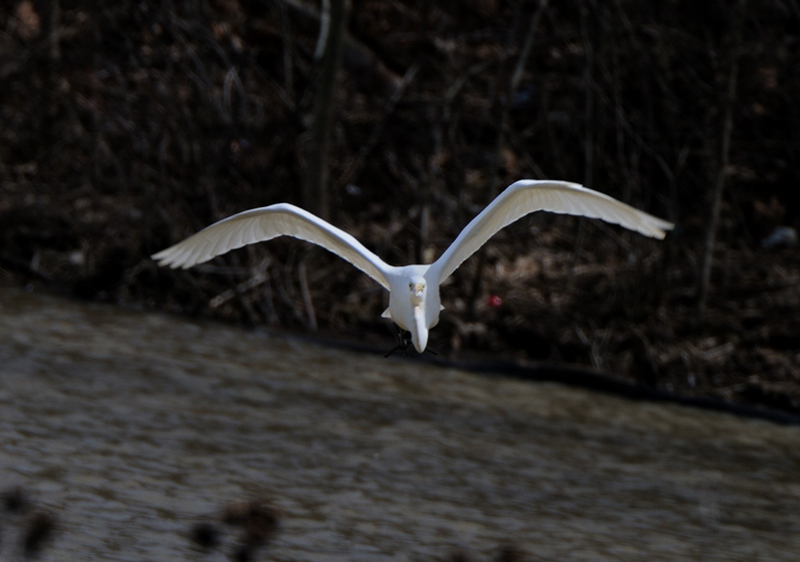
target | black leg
x=405, y=342
x=404, y=338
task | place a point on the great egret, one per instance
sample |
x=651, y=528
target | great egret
x=414, y=303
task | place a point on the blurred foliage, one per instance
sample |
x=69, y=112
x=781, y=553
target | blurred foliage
x=125, y=126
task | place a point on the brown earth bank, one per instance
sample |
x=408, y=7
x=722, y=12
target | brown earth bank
x=127, y=127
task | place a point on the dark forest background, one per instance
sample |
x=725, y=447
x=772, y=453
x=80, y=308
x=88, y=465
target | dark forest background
x=126, y=126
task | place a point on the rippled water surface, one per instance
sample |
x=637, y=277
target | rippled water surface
x=131, y=427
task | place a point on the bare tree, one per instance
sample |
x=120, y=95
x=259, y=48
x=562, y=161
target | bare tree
x=329, y=61
x=724, y=156
x=503, y=131
x=505, y=101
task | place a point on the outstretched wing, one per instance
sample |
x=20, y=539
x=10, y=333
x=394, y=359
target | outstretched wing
x=526, y=196
x=265, y=223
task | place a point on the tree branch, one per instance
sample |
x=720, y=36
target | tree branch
x=724, y=156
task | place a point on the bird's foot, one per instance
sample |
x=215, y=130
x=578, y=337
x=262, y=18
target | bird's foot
x=405, y=342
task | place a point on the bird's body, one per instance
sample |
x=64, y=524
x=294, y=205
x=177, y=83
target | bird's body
x=420, y=312
x=414, y=301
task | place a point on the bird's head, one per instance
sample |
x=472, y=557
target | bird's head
x=417, y=286
x=416, y=289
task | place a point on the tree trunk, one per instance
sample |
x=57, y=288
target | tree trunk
x=724, y=155
x=316, y=196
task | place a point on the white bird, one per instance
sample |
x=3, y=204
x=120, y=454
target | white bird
x=414, y=303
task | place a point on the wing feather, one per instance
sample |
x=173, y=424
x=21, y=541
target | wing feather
x=265, y=223
x=527, y=196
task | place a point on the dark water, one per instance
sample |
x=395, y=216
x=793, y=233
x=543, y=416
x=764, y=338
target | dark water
x=131, y=427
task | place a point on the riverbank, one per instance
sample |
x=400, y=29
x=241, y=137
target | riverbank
x=130, y=427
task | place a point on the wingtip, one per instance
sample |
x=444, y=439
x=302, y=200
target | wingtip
x=657, y=227
x=161, y=258
x=659, y=232
x=664, y=227
x=654, y=228
x=165, y=259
